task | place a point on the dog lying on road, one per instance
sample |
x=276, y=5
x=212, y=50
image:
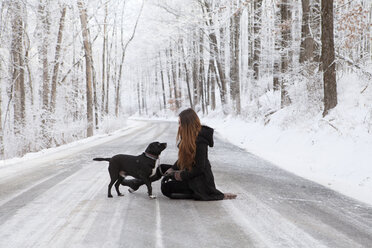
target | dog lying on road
x=141, y=167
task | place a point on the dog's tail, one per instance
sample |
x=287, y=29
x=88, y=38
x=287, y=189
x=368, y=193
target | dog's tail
x=102, y=159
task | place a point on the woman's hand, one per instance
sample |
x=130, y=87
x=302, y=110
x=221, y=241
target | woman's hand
x=173, y=173
x=177, y=175
x=169, y=172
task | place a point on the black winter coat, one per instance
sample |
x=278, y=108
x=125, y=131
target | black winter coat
x=200, y=178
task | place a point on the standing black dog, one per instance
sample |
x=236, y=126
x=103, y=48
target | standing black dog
x=141, y=167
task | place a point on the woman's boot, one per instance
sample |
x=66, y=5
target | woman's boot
x=133, y=184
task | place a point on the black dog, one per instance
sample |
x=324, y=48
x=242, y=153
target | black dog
x=141, y=167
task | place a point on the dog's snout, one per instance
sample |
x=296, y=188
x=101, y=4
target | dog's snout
x=165, y=144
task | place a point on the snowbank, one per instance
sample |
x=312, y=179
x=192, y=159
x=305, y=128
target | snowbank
x=334, y=151
x=338, y=162
x=65, y=150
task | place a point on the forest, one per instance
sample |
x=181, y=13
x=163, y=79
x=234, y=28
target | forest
x=75, y=68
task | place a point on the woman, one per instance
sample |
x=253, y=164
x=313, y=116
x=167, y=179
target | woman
x=193, y=177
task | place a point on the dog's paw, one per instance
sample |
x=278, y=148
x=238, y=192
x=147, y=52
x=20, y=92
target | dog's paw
x=109, y=196
x=121, y=194
x=152, y=196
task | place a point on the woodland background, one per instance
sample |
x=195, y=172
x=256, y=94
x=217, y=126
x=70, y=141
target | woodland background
x=72, y=69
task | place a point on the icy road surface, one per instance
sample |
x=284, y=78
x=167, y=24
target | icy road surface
x=62, y=202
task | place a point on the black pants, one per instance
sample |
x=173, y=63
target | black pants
x=175, y=189
x=169, y=187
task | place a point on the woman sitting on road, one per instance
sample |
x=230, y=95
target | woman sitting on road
x=191, y=176
x=192, y=171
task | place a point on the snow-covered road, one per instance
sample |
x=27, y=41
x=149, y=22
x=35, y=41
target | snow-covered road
x=62, y=203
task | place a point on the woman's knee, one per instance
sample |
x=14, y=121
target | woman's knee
x=165, y=188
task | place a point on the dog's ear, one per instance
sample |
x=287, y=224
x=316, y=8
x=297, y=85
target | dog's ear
x=151, y=148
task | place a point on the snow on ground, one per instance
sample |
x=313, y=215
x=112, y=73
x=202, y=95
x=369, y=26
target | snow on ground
x=340, y=163
x=334, y=151
x=67, y=149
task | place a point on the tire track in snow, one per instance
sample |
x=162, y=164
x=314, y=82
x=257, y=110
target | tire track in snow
x=277, y=230
x=159, y=235
x=22, y=209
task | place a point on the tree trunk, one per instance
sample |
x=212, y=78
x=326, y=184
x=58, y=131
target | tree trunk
x=174, y=75
x=56, y=60
x=104, y=51
x=285, y=44
x=1, y=100
x=43, y=51
x=143, y=96
x=235, y=59
x=195, y=72
x=95, y=100
x=328, y=57
x=1, y=122
x=276, y=53
x=17, y=63
x=1, y=67
x=179, y=62
x=88, y=66
x=202, y=72
x=315, y=25
x=187, y=76
x=257, y=39
x=139, y=97
x=168, y=69
x=124, y=49
x=162, y=82
x=213, y=79
x=215, y=54
x=219, y=70
x=307, y=41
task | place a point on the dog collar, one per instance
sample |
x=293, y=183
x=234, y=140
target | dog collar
x=151, y=156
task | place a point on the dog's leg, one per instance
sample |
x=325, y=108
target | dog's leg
x=149, y=189
x=109, y=187
x=117, y=184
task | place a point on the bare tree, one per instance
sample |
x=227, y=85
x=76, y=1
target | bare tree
x=88, y=65
x=215, y=53
x=174, y=77
x=1, y=97
x=124, y=49
x=257, y=39
x=168, y=68
x=162, y=81
x=235, y=57
x=17, y=64
x=104, y=52
x=202, y=80
x=108, y=64
x=1, y=122
x=276, y=59
x=186, y=74
x=139, y=96
x=44, y=16
x=307, y=41
x=195, y=70
x=57, y=60
x=328, y=57
x=285, y=13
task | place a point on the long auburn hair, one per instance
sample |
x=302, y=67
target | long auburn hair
x=188, y=130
